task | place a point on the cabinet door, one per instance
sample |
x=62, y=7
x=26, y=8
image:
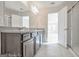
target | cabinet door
x=3, y=43
x=13, y=43
x=37, y=42
x=28, y=48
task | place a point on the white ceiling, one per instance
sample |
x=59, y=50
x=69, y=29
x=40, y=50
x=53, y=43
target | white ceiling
x=50, y=3
x=53, y=6
x=24, y=5
x=16, y=5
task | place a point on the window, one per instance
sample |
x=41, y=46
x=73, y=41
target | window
x=26, y=21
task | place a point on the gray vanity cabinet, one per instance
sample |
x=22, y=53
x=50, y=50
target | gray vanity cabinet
x=20, y=44
x=11, y=43
x=28, y=48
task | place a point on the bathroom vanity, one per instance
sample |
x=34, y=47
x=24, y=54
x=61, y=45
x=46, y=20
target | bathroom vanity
x=20, y=43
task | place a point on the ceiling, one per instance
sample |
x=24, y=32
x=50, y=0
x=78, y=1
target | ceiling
x=23, y=6
x=53, y=6
x=50, y=3
x=16, y=5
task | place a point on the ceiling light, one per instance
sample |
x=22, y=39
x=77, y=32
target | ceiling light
x=52, y=3
x=34, y=9
x=21, y=9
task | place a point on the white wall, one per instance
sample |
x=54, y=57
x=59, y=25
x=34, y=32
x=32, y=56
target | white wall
x=62, y=24
x=40, y=20
x=75, y=28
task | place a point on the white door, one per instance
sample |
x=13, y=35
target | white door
x=62, y=27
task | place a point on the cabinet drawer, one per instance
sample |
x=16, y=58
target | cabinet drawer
x=26, y=36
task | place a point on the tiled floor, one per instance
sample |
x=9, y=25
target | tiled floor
x=54, y=36
x=53, y=50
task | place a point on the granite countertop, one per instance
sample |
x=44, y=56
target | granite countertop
x=21, y=30
x=17, y=31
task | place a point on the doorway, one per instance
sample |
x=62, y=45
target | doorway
x=52, y=28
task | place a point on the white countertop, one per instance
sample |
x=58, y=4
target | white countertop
x=20, y=30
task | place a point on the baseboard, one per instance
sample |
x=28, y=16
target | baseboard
x=62, y=45
x=75, y=55
x=70, y=49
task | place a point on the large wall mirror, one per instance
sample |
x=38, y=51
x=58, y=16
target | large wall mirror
x=12, y=14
